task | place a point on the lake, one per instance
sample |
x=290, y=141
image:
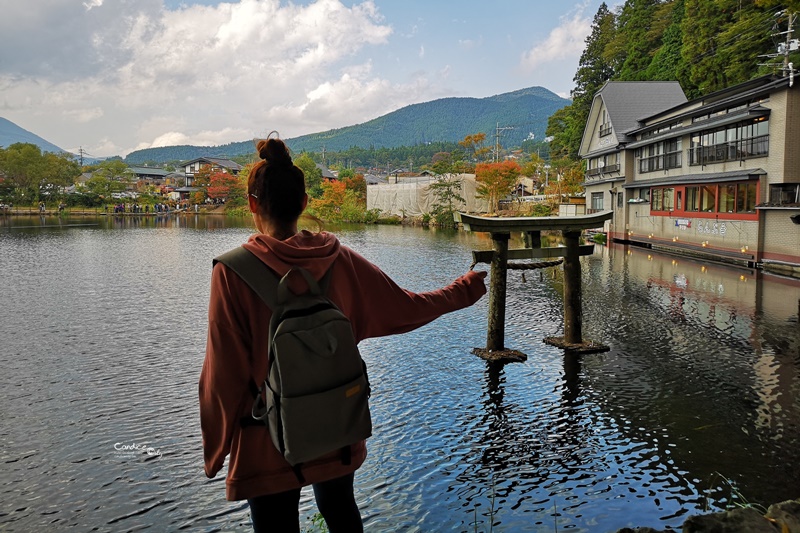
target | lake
x=696, y=405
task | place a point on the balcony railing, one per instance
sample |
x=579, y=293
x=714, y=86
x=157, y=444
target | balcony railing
x=592, y=172
x=660, y=162
x=729, y=151
x=605, y=129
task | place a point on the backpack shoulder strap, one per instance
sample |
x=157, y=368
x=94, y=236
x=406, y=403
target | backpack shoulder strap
x=263, y=282
x=255, y=273
x=260, y=278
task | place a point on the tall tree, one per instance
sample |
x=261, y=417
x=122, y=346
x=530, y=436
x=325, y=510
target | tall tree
x=748, y=35
x=226, y=187
x=33, y=172
x=496, y=181
x=636, y=38
x=667, y=59
x=447, y=199
x=312, y=173
x=328, y=205
x=475, y=145
x=703, y=68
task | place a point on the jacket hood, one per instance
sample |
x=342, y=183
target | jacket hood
x=314, y=252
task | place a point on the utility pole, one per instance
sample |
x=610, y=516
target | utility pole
x=497, y=140
x=788, y=45
x=323, y=155
x=785, y=48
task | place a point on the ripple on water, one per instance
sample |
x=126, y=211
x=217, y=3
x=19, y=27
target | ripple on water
x=103, y=332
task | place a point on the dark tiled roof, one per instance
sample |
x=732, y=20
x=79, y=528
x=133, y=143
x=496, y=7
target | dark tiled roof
x=149, y=171
x=224, y=163
x=629, y=101
x=326, y=173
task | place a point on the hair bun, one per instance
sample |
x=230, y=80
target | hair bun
x=274, y=152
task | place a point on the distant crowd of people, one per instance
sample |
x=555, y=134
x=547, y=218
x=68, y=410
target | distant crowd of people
x=138, y=209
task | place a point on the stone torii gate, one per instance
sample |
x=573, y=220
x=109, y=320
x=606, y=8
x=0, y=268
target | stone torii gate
x=500, y=229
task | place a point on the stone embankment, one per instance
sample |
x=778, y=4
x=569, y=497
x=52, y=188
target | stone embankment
x=781, y=517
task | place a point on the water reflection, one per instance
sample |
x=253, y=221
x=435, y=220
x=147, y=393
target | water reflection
x=102, y=331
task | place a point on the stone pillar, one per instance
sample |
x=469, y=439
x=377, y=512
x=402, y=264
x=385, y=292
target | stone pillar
x=533, y=239
x=495, y=337
x=572, y=289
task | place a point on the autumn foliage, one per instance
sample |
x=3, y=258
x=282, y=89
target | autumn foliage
x=496, y=181
x=223, y=186
x=343, y=201
x=331, y=201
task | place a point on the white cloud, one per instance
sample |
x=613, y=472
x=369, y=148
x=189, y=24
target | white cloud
x=469, y=44
x=92, y=3
x=566, y=41
x=217, y=71
x=116, y=75
x=84, y=114
x=203, y=138
x=355, y=97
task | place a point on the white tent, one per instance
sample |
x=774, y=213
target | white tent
x=413, y=197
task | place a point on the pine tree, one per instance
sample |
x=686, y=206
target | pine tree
x=635, y=38
x=703, y=69
x=745, y=38
x=667, y=59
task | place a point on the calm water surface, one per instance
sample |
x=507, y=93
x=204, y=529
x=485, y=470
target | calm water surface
x=102, y=335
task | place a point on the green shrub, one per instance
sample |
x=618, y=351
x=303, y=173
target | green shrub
x=241, y=211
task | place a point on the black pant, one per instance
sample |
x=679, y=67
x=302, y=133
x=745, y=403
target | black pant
x=278, y=513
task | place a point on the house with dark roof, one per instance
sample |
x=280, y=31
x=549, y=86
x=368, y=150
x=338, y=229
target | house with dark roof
x=190, y=168
x=716, y=177
x=327, y=174
x=149, y=173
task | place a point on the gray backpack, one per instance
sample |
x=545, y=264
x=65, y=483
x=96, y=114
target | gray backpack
x=315, y=396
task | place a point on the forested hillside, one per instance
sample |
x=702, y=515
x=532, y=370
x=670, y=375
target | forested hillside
x=522, y=114
x=706, y=45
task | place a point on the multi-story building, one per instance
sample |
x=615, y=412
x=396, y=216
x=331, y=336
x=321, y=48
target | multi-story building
x=716, y=177
x=216, y=164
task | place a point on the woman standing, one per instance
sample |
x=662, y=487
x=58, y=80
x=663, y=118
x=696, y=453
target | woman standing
x=238, y=337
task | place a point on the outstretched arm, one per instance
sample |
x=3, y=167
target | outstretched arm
x=377, y=306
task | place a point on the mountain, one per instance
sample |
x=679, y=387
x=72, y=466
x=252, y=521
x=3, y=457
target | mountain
x=515, y=116
x=10, y=133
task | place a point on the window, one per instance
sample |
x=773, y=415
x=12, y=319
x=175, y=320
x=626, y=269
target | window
x=660, y=156
x=610, y=163
x=746, y=197
x=731, y=143
x=730, y=198
x=708, y=196
x=693, y=198
x=727, y=198
x=597, y=201
x=620, y=198
x=605, y=126
x=662, y=199
x=644, y=194
x=784, y=194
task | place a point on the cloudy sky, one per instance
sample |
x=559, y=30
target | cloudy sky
x=112, y=76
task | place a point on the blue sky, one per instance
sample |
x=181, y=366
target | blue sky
x=112, y=76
